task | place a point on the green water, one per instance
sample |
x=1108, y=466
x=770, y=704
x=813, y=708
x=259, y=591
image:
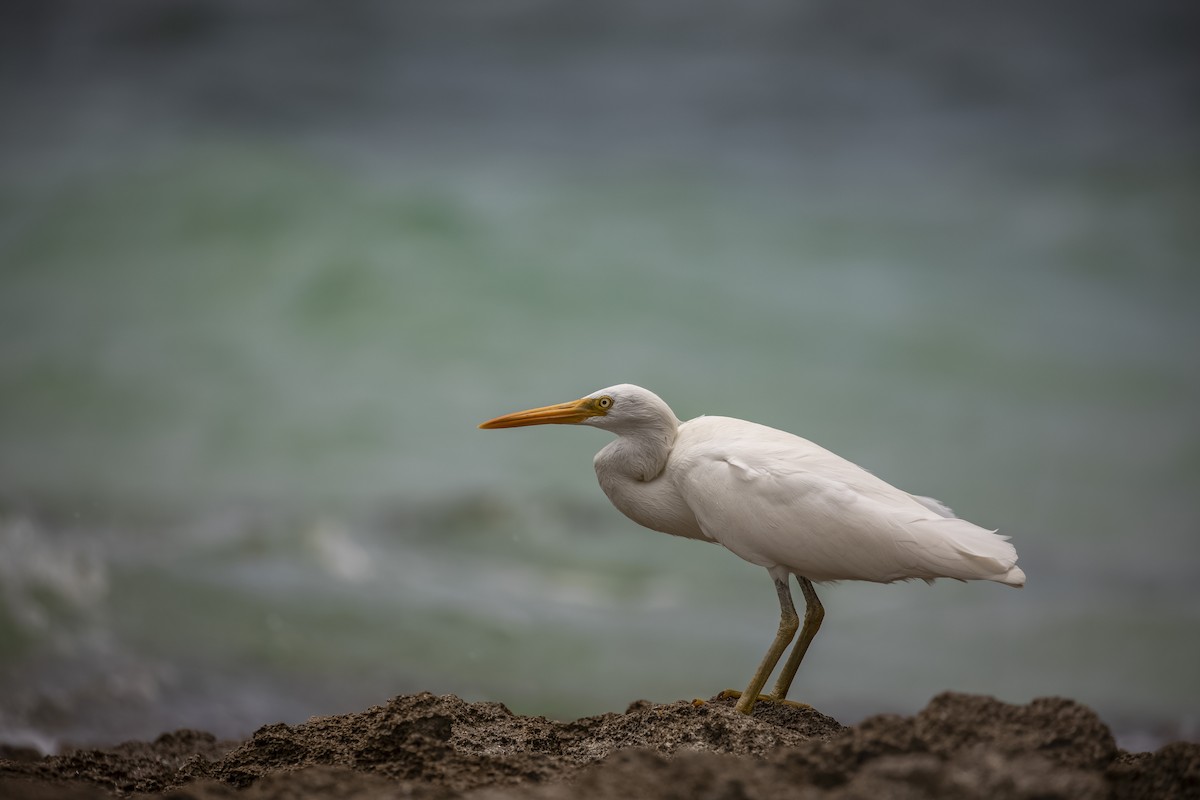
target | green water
x=241, y=478
x=261, y=274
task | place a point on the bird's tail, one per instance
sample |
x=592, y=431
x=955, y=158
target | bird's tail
x=1014, y=577
x=955, y=548
x=988, y=547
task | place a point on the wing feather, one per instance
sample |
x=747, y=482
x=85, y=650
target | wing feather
x=778, y=500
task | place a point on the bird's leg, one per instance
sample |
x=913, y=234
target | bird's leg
x=788, y=624
x=814, y=612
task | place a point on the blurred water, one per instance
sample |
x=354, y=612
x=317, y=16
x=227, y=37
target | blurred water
x=251, y=311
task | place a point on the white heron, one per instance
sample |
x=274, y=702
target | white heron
x=776, y=500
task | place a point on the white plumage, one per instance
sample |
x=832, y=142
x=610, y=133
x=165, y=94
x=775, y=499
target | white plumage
x=776, y=500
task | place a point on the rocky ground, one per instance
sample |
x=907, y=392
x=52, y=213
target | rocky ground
x=422, y=746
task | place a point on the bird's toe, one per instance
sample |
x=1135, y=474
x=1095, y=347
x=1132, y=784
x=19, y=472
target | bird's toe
x=734, y=694
x=783, y=701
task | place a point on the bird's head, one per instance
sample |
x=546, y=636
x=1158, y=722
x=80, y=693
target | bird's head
x=622, y=408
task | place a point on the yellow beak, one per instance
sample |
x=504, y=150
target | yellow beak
x=571, y=413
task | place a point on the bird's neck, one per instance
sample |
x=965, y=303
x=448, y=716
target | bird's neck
x=639, y=455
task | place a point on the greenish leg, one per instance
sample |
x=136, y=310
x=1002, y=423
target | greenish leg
x=814, y=612
x=788, y=624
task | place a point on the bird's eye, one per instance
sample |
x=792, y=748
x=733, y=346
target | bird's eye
x=604, y=403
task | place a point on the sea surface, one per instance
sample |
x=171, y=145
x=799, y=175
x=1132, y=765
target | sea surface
x=252, y=310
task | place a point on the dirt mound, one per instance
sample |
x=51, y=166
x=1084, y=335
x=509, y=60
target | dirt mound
x=423, y=746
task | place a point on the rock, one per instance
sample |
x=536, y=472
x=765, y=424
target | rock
x=422, y=746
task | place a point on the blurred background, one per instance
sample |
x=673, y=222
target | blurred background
x=264, y=267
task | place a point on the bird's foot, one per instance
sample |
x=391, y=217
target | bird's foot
x=734, y=694
x=783, y=701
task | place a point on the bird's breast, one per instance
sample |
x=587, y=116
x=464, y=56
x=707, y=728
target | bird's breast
x=654, y=504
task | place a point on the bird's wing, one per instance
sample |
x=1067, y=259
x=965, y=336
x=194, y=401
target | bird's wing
x=936, y=506
x=777, y=499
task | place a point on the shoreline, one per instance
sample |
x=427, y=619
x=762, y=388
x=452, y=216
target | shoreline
x=424, y=746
